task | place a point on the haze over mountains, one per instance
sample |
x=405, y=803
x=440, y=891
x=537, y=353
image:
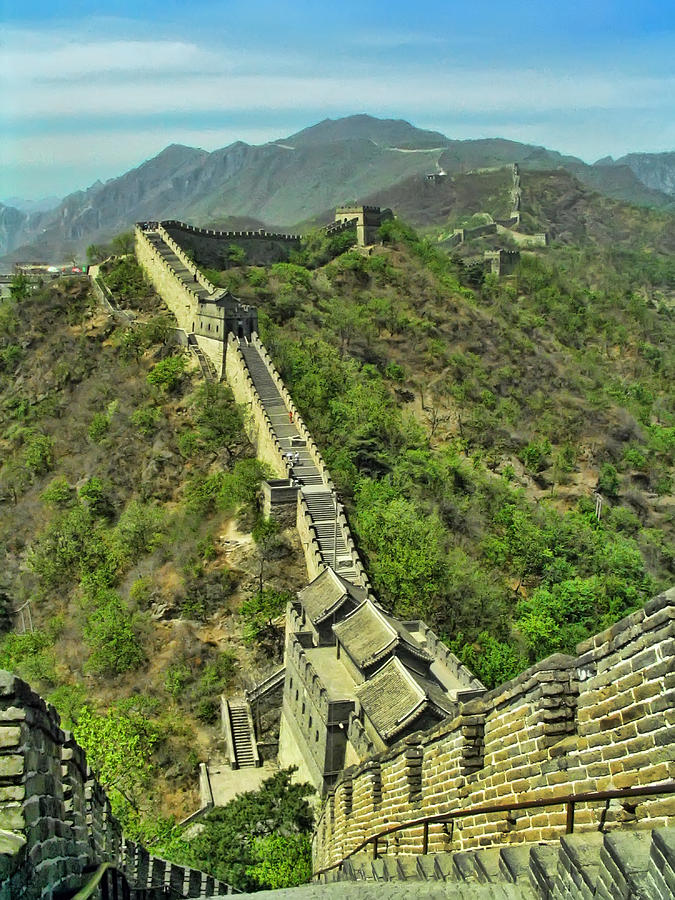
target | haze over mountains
x=300, y=179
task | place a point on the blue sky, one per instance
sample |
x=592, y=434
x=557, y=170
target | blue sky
x=89, y=90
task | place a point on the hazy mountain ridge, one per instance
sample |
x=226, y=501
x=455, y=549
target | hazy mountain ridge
x=296, y=179
x=656, y=170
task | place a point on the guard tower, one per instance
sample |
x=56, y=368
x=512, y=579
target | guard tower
x=368, y=220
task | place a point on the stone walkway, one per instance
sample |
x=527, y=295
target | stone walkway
x=226, y=783
x=398, y=891
x=318, y=497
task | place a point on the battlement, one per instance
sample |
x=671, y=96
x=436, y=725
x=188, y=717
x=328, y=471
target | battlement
x=366, y=218
x=356, y=208
x=598, y=721
x=260, y=234
x=56, y=821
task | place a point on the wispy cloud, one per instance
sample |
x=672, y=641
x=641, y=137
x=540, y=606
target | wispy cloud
x=133, y=78
x=98, y=97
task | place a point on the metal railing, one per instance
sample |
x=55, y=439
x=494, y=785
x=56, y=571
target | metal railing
x=112, y=882
x=569, y=801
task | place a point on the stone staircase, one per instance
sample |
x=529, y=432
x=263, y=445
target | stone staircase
x=272, y=683
x=318, y=498
x=615, y=866
x=208, y=370
x=242, y=738
x=183, y=274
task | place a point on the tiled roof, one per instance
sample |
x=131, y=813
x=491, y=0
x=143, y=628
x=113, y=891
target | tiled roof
x=393, y=697
x=327, y=593
x=368, y=634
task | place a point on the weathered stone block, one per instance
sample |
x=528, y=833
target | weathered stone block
x=11, y=766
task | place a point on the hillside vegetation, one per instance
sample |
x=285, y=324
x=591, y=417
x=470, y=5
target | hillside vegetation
x=300, y=179
x=468, y=427
x=127, y=490
x=505, y=450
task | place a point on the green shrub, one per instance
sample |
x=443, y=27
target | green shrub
x=68, y=700
x=535, y=455
x=96, y=498
x=281, y=861
x=10, y=357
x=257, y=278
x=176, y=679
x=167, y=373
x=30, y=655
x=112, y=634
x=146, y=418
x=140, y=530
x=608, y=481
x=99, y=427
x=37, y=453
x=635, y=458
x=226, y=844
x=58, y=493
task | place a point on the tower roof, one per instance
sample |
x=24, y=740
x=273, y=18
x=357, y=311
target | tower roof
x=327, y=593
x=394, y=697
x=369, y=634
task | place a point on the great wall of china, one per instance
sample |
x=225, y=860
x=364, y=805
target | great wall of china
x=557, y=784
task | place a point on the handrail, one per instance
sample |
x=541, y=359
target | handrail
x=569, y=800
x=100, y=878
x=260, y=689
x=101, y=872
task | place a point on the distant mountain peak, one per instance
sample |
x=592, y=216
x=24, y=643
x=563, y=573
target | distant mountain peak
x=362, y=126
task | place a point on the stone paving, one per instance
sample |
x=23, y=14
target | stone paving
x=398, y=891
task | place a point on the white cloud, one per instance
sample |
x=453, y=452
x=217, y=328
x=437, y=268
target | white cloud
x=468, y=91
x=75, y=76
x=125, y=87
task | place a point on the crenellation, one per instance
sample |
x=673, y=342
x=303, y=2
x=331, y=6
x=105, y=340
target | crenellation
x=565, y=725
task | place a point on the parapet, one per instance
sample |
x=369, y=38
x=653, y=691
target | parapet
x=600, y=721
x=56, y=821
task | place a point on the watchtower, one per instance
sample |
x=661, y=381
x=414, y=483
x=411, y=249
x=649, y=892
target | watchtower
x=368, y=220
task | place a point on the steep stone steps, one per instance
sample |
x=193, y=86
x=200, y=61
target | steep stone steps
x=182, y=273
x=320, y=505
x=397, y=891
x=241, y=735
x=620, y=865
x=320, y=502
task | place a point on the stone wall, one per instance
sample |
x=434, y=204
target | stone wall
x=310, y=720
x=501, y=262
x=55, y=819
x=210, y=247
x=602, y=720
x=366, y=219
x=257, y=422
x=304, y=522
x=182, y=302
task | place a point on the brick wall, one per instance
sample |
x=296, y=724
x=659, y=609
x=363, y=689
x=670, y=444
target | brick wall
x=210, y=247
x=182, y=302
x=601, y=720
x=55, y=819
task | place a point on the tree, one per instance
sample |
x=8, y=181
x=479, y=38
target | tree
x=236, y=255
x=226, y=846
x=167, y=374
x=96, y=253
x=260, y=614
x=608, y=481
x=119, y=745
x=111, y=632
x=282, y=860
x=123, y=243
x=269, y=545
x=19, y=288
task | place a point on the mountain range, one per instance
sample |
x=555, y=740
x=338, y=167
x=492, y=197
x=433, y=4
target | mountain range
x=297, y=180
